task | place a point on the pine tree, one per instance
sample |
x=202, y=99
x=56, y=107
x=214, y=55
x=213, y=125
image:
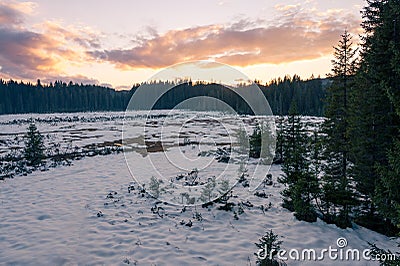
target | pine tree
x=255, y=142
x=387, y=196
x=372, y=120
x=302, y=185
x=269, y=246
x=262, y=142
x=387, y=192
x=391, y=178
x=379, y=253
x=279, y=140
x=393, y=91
x=34, y=146
x=338, y=196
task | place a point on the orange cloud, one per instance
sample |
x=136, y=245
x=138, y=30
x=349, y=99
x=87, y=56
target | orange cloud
x=29, y=55
x=298, y=35
x=84, y=37
x=281, y=7
x=45, y=50
x=10, y=14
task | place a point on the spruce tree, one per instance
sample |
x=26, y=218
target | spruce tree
x=372, y=120
x=389, y=200
x=269, y=246
x=301, y=184
x=255, y=142
x=387, y=192
x=34, y=146
x=279, y=140
x=387, y=196
x=338, y=196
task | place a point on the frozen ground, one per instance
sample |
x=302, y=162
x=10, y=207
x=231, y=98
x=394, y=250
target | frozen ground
x=70, y=130
x=93, y=212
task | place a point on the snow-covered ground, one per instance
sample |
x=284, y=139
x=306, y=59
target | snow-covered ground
x=94, y=212
x=67, y=129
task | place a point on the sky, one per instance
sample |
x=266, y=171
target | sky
x=119, y=43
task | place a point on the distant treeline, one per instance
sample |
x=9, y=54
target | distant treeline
x=309, y=95
x=20, y=97
x=58, y=97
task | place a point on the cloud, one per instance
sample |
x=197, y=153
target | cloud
x=108, y=85
x=47, y=49
x=74, y=78
x=82, y=36
x=281, y=7
x=9, y=15
x=27, y=54
x=13, y=12
x=297, y=34
x=123, y=87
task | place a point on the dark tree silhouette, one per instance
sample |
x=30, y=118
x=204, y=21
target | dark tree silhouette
x=34, y=146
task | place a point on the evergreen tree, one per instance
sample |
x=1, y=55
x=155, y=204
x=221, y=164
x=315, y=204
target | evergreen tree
x=269, y=246
x=255, y=142
x=34, y=146
x=301, y=184
x=394, y=90
x=387, y=192
x=387, y=196
x=279, y=140
x=338, y=194
x=378, y=254
x=372, y=120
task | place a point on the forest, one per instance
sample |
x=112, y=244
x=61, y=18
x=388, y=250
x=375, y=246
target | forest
x=20, y=97
x=348, y=170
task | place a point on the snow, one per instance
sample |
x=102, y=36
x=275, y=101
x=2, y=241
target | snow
x=85, y=213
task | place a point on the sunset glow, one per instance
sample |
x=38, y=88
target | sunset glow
x=123, y=43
